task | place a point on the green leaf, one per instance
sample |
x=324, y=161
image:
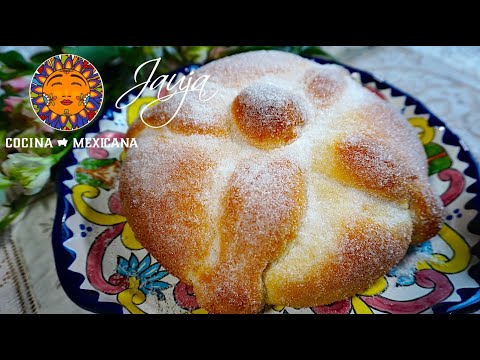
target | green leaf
x=99, y=56
x=195, y=54
x=40, y=57
x=57, y=49
x=12, y=74
x=132, y=56
x=172, y=52
x=87, y=179
x=3, y=136
x=14, y=60
x=239, y=49
x=316, y=51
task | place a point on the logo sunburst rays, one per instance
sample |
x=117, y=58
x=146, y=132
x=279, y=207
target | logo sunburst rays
x=66, y=92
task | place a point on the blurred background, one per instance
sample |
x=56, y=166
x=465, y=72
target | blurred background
x=445, y=79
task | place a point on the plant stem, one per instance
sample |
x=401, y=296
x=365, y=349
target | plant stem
x=58, y=156
x=17, y=208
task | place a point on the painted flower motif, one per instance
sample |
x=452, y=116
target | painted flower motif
x=373, y=298
x=186, y=299
x=100, y=170
x=115, y=219
x=404, y=272
x=148, y=275
x=99, y=153
x=97, y=172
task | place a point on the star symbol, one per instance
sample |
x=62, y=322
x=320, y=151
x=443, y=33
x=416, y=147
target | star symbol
x=62, y=142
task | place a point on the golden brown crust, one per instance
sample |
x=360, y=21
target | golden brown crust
x=135, y=129
x=328, y=198
x=427, y=213
x=251, y=234
x=374, y=162
x=364, y=252
x=180, y=240
x=267, y=115
x=363, y=162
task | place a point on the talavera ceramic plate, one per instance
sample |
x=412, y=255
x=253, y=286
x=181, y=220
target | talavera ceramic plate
x=104, y=269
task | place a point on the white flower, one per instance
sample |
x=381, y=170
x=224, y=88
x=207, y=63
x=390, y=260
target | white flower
x=30, y=171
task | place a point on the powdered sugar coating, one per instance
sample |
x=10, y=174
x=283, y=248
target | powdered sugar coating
x=325, y=85
x=193, y=114
x=262, y=207
x=303, y=195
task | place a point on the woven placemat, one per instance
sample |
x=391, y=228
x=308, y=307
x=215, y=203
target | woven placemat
x=16, y=295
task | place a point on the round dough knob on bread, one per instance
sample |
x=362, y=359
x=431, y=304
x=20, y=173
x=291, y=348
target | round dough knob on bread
x=293, y=185
x=268, y=115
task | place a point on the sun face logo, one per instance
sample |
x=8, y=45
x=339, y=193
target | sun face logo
x=66, y=92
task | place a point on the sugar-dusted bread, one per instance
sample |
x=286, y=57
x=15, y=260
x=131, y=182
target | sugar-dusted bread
x=293, y=186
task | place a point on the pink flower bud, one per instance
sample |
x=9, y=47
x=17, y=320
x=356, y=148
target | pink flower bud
x=11, y=102
x=17, y=84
